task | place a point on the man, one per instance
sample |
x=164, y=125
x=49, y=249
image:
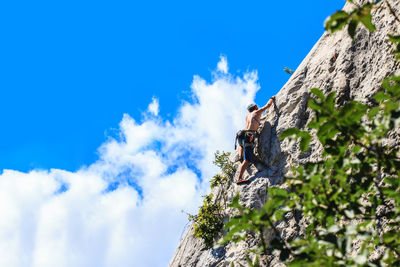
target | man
x=246, y=138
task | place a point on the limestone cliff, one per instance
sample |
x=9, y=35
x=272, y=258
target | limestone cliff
x=352, y=68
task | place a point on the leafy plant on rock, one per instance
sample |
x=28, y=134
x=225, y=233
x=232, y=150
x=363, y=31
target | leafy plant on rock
x=208, y=222
x=224, y=163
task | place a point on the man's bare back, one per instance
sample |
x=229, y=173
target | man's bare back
x=252, y=121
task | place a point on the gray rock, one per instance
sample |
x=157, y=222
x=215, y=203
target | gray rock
x=354, y=70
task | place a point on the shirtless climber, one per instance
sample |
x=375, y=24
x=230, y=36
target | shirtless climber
x=247, y=135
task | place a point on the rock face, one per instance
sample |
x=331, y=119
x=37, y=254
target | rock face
x=352, y=68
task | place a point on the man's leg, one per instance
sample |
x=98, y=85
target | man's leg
x=242, y=168
x=248, y=157
x=240, y=152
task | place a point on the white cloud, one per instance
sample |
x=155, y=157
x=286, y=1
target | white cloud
x=87, y=224
x=222, y=65
x=154, y=107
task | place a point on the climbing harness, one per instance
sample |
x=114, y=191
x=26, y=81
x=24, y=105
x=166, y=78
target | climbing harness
x=243, y=138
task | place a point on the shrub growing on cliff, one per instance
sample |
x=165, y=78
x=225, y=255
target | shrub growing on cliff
x=208, y=222
x=223, y=162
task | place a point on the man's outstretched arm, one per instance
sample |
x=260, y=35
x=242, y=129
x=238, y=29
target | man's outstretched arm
x=261, y=110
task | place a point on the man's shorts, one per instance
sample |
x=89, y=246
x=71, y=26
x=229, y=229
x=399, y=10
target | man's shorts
x=248, y=153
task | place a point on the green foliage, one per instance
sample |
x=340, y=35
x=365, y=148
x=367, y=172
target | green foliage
x=218, y=180
x=395, y=39
x=305, y=137
x=361, y=14
x=226, y=166
x=255, y=263
x=257, y=220
x=222, y=161
x=208, y=222
x=345, y=196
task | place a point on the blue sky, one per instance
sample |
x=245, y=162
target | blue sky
x=69, y=70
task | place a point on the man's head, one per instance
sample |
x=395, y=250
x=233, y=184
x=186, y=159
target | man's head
x=252, y=107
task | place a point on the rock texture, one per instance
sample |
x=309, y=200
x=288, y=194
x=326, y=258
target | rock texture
x=352, y=68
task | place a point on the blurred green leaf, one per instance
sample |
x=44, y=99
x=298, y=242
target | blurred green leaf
x=352, y=27
x=380, y=96
x=289, y=132
x=313, y=105
x=336, y=21
x=330, y=102
x=304, y=143
x=318, y=93
x=276, y=191
x=394, y=38
x=366, y=17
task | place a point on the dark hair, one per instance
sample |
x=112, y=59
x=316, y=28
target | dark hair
x=251, y=107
